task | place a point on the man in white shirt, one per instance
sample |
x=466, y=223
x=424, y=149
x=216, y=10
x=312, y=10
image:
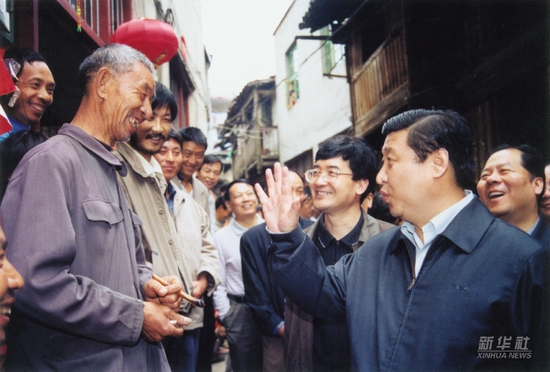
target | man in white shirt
x=243, y=335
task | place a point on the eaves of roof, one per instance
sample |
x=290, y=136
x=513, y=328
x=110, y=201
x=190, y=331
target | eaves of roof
x=324, y=12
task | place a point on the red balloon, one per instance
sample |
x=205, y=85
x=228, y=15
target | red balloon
x=156, y=39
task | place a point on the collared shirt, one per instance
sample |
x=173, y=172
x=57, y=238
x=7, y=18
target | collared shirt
x=169, y=195
x=212, y=212
x=228, y=242
x=436, y=226
x=331, y=249
x=532, y=229
x=153, y=169
x=330, y=336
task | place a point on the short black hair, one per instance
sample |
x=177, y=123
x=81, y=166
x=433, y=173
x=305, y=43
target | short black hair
x=430, y=130
x=223, y=187
x=175, y=135
x=194, y=134
x=363, y=161
x=164, y=97
x=227, y=194
x=220, y=202
x=211, y=159
x=531, y=158
x=22, y=55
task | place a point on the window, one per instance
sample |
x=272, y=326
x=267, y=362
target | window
x=293, y=88
x=332, y=54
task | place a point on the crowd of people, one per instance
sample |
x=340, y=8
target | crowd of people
x=138, y=252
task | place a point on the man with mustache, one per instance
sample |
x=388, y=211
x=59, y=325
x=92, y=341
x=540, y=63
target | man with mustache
x=145, y=187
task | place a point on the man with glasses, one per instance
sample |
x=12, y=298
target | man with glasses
x=452, y=289
x=343, y=175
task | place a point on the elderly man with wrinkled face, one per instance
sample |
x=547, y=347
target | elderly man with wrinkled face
x=89, y=302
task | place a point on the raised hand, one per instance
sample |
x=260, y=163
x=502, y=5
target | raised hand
x=280, y=209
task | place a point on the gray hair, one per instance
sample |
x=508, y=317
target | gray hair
x=118, y=58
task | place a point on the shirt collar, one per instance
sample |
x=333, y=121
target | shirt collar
x=325, y=237
x=152, y=168
x=532, y=229
x=240, y=229
x=436, y=225
x=94, y=146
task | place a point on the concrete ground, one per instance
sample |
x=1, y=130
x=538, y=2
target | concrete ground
x=220, y=366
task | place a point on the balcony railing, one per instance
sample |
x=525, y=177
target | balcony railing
x=383, y=73
x=258, y=148
x=93, y=13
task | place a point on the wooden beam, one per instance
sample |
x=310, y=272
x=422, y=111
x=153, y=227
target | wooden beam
x=383, y=111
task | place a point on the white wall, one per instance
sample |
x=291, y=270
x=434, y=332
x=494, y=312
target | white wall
x=323, y=108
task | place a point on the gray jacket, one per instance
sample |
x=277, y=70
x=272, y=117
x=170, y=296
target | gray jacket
x=161, y=242
x=201, y=255
x=75, y=241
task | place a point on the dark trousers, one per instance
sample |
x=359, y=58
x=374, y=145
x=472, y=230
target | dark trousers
x=244, y=337
x=182, y=351
x=207, y=337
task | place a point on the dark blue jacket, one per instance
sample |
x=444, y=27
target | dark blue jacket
x=542, y=233
x=264, y=297
x=481, y=279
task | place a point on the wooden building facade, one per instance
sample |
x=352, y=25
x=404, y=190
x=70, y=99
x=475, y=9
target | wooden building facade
x=249, y=132
x=486, y=59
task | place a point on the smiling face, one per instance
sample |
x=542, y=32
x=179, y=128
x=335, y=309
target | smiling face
x=243, y=201
x=193, y=156
x=404, y=181
x=36, y=84
x=151, y=134
x=506, y=187
x=210, y=174
x=169, y=158
x=336, y=196
x=127, y=102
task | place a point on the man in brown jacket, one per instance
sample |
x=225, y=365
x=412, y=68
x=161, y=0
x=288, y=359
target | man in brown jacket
x=344, y=173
